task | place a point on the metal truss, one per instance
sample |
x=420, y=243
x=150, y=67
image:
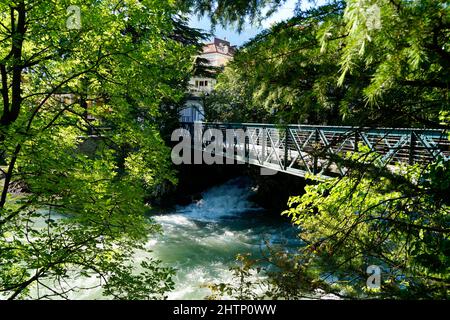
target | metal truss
x=320, y=150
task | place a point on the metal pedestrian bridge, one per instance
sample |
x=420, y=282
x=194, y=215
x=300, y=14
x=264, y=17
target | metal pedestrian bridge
x=318, y=150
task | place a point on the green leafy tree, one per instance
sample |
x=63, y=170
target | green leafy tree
x=80, y=142
x=334, y=65
x=232, y=12
x=288, y=73
x=393, y=61
x=378, y=219
x=394, y=218
x=408, y=52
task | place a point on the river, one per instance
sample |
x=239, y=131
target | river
x=201, y=240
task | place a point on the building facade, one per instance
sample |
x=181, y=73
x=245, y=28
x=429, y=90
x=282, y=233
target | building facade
x=217, y=54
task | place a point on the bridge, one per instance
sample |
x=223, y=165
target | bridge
x=319, y=150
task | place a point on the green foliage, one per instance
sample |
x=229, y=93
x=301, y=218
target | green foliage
x=278, y=275
x=330, y=65
x=408, y=57
x=232, y=12
x=402, y=227
x=81, y=143
x=284, y=74
x=153, y=282
x=393, y=218
x=343, y=63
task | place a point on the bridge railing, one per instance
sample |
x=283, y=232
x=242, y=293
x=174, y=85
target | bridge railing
x=301, y=149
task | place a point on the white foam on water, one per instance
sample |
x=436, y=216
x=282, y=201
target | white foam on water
x=225, y=201
x=175, y=220
x=192, y=283
x=201, y=240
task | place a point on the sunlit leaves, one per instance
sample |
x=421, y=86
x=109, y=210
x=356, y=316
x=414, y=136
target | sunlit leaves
x=85, y=151
x=285, y=74
x=354, y=222
x=410, y=44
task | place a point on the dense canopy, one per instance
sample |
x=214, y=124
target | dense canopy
x=89, y=94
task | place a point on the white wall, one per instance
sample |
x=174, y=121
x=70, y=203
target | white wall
x=192, y=111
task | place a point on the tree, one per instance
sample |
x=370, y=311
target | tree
x=80, y=142
x=397, y=217
x=374, y=218
x=329, y=65
x=285, y=75
x=394, y=218
x=408, y=52
x=232, y=12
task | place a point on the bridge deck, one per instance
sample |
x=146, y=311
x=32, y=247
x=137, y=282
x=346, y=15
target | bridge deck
x=302, y=149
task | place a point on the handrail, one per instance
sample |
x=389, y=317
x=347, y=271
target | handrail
x=299, y=149
x=312, y=127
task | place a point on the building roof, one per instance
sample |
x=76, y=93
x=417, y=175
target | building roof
x=219, y=46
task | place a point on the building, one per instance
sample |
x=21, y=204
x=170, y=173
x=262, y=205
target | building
x=217, y=53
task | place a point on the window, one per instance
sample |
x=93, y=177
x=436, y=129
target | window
x=201, y=83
